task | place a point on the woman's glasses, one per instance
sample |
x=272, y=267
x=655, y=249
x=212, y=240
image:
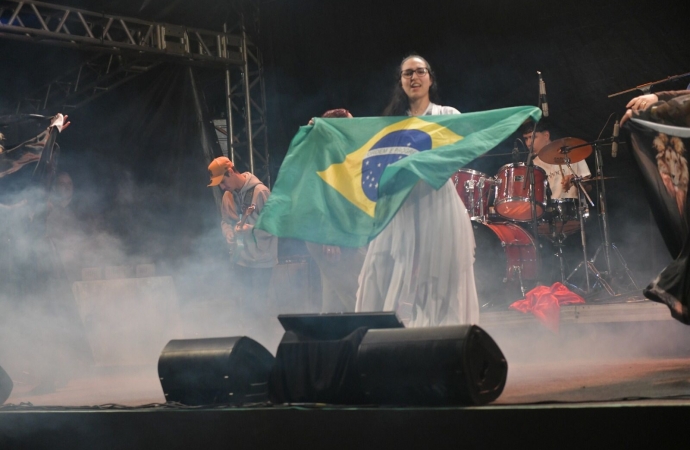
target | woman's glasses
x=420, y=71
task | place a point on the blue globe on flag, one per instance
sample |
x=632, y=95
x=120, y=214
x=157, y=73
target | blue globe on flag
x=389, y=149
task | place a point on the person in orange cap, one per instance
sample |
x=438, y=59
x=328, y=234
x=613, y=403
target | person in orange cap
x=254, y=252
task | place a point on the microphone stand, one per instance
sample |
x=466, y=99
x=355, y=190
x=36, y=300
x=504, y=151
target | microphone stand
x=530, y=179
x=602, y=204
x=647, y=87
x=532, y=195
x=582, y=198
x=607, y=244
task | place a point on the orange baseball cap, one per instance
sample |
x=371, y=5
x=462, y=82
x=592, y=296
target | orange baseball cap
x=217, y=169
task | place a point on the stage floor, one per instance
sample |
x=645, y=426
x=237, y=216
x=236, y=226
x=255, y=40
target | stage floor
x=613, y=376
x=528, y=383
x=601, y=353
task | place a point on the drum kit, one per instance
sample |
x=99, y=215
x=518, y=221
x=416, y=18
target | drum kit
x=501, y=208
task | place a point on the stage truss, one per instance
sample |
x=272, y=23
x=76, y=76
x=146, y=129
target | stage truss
x=126, y=47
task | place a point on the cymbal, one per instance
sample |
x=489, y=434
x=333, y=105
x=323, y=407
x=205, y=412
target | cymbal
x=552, y=152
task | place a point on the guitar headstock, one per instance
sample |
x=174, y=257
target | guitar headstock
x=247, y=212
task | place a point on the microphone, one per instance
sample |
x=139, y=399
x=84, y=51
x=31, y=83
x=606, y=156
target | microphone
x=516, y=152
x=542, y=97
x=614, y=145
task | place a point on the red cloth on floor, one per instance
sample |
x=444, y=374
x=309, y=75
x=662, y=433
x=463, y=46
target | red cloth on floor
x=545, y=303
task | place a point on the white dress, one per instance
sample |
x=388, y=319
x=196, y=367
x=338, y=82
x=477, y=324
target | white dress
x=421, y=264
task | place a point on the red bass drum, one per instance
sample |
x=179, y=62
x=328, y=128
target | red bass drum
x=505, y=255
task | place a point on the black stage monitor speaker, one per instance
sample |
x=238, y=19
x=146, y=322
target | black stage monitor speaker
x=6, y=386
x=336, y=325
x=454, y=365
x=215, y=371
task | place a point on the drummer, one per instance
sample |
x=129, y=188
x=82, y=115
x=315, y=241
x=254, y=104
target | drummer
x=559, y=175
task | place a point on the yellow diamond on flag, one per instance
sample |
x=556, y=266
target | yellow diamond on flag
x=357, y=177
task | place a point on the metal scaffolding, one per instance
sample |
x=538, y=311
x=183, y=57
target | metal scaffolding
x=91, y=79
x=128, y=47
x=246, y=97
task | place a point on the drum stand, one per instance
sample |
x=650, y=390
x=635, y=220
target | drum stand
x=557, y=240
x=583, y=198
x=607, y=245
x=590, y=268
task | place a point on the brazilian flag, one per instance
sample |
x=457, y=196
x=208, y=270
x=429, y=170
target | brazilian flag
x=343, y=180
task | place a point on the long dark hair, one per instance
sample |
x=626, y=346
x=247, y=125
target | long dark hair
x=399, y=103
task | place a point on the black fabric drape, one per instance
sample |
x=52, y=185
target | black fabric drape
x=309, y=370
x=663, y=162
x=655, y=156
x=146, y=148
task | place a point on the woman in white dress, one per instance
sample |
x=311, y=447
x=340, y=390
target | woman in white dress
x=421, y=264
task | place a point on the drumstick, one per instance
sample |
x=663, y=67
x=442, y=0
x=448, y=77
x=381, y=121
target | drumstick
x=562, y=174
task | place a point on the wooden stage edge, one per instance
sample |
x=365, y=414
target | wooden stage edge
x=607, y=425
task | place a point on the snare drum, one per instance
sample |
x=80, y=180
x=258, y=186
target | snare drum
x=561, y=217
x=474, y=189
x=512, y=192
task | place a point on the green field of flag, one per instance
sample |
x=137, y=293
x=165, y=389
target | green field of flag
x=343, y=180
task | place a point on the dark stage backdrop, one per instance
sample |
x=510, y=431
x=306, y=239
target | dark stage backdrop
x=486, y=53
x=143, y=150
x=321, y=55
